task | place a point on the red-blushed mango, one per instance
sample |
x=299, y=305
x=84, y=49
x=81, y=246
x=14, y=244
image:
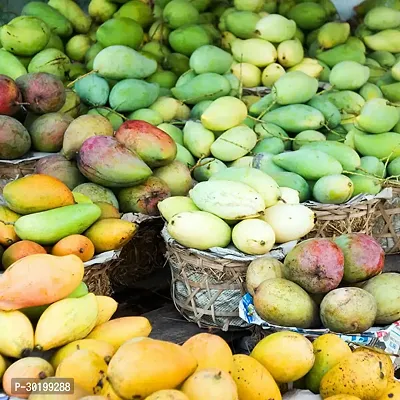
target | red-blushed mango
x=10, y=96
x=15, y=140
x=20, y=250
x=79, y=245
x=35, y=193
x=154, y=146
x=145, y=197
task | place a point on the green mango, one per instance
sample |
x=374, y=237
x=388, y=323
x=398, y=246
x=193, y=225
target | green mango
x=165, y=79
x=260, y=107
x=185, y=78
x=346, y=101
x=71, y=10
x=348, y=75
x=356, y=43
x=328, y=109
x=212, y=31
x=198, y=109
x=271, y=145
x=249, y=5
x=102, y=10
x=24, y=60
x=197, y=139
x=296, y=118
x=115, y=119
x=371, y=63
x=290, y=53
x=270, y=6
x=293, y=181
x=377, y=116
x=392, y=92
x=333, y=189
x=384, y=58
x=370, y=91
x=122, y=62
x=201, y=5
x=376, y=74
x=91, y=55
x=207, y=168
x=387, y=40
x=332, y=34
x=25, y=36
x=180, y=12
x=156, y=50
x=159, y=31
x=184, y=156
x=294, y=87
x=177, y=63
x=57, y=23
x=55, y=42
x=372, y=166
x=263, y=162
x=51, y=61
x=258, y=52
x=10, y=65
x=173, y=131
x=93, y=90
x=222, y=20
x=208, y=86
x=348, y=158
x=307, y=137
x=394, y=167
x=312, y=37
x=77, y=47
x=285, y=6
x=234, y=81
x=343, y=52
x=365, y=185
x=234, y=143
x=48, y=227
x=325, y=73
x=308, y=15
x=300, y=36
x=380, y=17
x=395, y=71
x=385, y=80
x=267, y=130
x=329, y=7
x=132, y=94
x=275, y=28
x=209, y=58
x=153, y=117
x=120, y=31
x=188, y=38
x=367, y=5
x=382, y=145
x=207, y=18
x=137, y=10
x=362, y=31
x=309, y=163
x=242, y=23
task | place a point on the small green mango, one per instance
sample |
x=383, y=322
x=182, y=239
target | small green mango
x=207, y=168
x=290, y=53
x=348, y=75
x=328, y=109
x=392, y=92
x=93, y=90
x=146, y=114
x=380, y=17
x=372, y=166
x=394, y=168
x=308, y=163
x=122, y=62
x=10, y=65
x=139, y=11
x=377, y=116
x=308, y=15
x=159, y=31
x=55, y=42
x=51, y=61
x=184, y=156
x=396, y=71
x=263, y=162
x=266, y=130
x=382, y=145
x=307, y=137
x=209, y=58
x=132, y=94
x=343, y=52
x=242, y=23
x=172, y=131
x=177, y=63
x=386, y=40
x=197, y=139
x=332, y=34
x=77, y=47
x=156, y=50
x=265, y=104
x=188, y=38
x=180, y=12
x=333, y=189
x=293, y=181
x=384, y=58
x=249, y=5
x=197, y=111
x=115, y=119
x=258, y=52
x=102, y=10
x=165, y=79
x=80, y=21
x=370, y=91
x=365, y=185
x=275, y=28
x=346, y=101
x=91, y=54
x=271, y=145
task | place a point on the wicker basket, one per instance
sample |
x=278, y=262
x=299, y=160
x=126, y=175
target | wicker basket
x=10, y=171
x=97, y=277
x=387, y=226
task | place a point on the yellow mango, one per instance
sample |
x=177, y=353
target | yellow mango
x=168, y=395
x=387, y=363
x=76, y=395
x=392, y=391
x=3, y=366
x=107, y=307
x=109, y=392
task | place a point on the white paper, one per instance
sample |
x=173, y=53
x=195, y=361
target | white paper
x=32, y=155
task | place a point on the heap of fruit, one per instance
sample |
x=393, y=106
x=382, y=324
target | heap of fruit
x=336, y=284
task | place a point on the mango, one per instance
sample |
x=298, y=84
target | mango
x=14, y=138
x=385, y=40
x=383, y=145
x=263, y=162
x=132, y=94
x=328, y=109
x=70, y=10
x=271, y=74
x=234, y=143
x=55, y=42
x=269, y=145
x=342, y=52
x=20, y=250
x=307, y=137
x=296, y=118
x=208, y=59
x=391, y=91
x=188, y=38
x=197, y=139
x=173, y=131
x=309, y=66
x=177, y=176
x=93, y=90
x=102, y=10
x=180, y=12
x=348, y=75
x=290, y=53
x=308, y=15
x=294, y=87
x=96, y=193
x=137, y=10
x=208, y=86
x=174, y=205
x=113, y=117
x=52, y=61
x=275, y=28
x=333, y=189
x=131, y=64
x=72, y=104
x=266, y=130
x=333, y=34
x=242, y=24
x=106, y=307
x=10, y=65
x=346, y=101
x=365, y=185
x=370, y=91
x=256, y=51
x=78, y=245
x=384, y=58
x=207, y=168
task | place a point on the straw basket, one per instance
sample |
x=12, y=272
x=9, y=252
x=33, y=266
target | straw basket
x=97, y=277
x=10, y=171
x=387, y=226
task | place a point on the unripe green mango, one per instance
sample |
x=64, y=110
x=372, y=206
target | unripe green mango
x=362, y=30
x=348, y=158
x=93, y=90
x=55, y=42
x=387, y=40
x=210, y=58
x=343, y=52
x=51, y=61
x=372, y=166
x=180, y=12
x=146, y=114
x=299, y=35
x=115, y=119
x=396, y=71
x=207, y=168
x=370, y=91
x=208, y=86
x=120, y=31
x=201, y=5
x=156, y=50
x=77, y=47
x=172, y=131
x=290, y=53
x=382, y=145
x=58, y=24
x=234, y=143
x=308, y=15
x=380, y=17
x=258, y=52
x=197, y=139
x=260, y=107
x=122, y=62
x=24, y=60
x=356, y=43
x=249, y=5
x=137, y=10
x=333, y=189
x=10, y=65
x=328, y=109
x=308, y=163
x=265, y=130
x=275, y=28
x=285, y=6
x=71, y=10
x=102, y=10
x=394, y=167
x=263, y=162
x=271, y=145
x=165, y=79
x=377, y=116
x=132, y=94
x=91, y=54
x=242, y=23
x=184, y=156
x=222, y=19
x=177, y=63
x=384, y=58
x=307, y=137
x=293, y=181
x=197, y=111
x=385, y=80
x=329, y=7
x=185, y=78
x=296, y=118
x=294, y=87
x=365, y=185
x=392, y=92
x=348, y=75
x=346, y=101
x=270, y=6
x=159, y=31
x=312, y=37
x=332, y=34
x=188, y=38
x=25, y=36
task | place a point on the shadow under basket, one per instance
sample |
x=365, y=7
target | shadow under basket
x=207, y=289
x=336, y=220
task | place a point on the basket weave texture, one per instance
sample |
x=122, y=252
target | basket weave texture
x=207, y=289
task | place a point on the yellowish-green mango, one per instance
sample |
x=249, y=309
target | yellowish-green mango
x=188, y=38
x=55, y=42
x=137, y=10
x=333, y=189
x=392, y=91
x=180, y=12
x=275, y=28
x=365, y=185
x=226, y=40
x=10, y=65
x=210, y=58
x=348, y=75
x=77, y=47
x=386, y=40
x=249, y=5
x=145, y=114
x=173, y=131
x=379, y=17
x=307, y=137
x=207, y=168
x=382, y=145
x=242, y=24
x=155, y=50
x=309, y=66
x=166, y=79
x=177, y=63
x=332, y=34
x=197, y=139
x=102, y=10
x=167, y=106
x=71, y=10
x=370, y=91
x=51, y=61
x=396, y=71
x=384, y=58
x=290, y=53
x=175, y=205
x=258, y=52
x=342, y=52
x=308, y=15
x=346, y=101
x=271, y=74
x=159, y=31
x=184, y=156
x=248, y=74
